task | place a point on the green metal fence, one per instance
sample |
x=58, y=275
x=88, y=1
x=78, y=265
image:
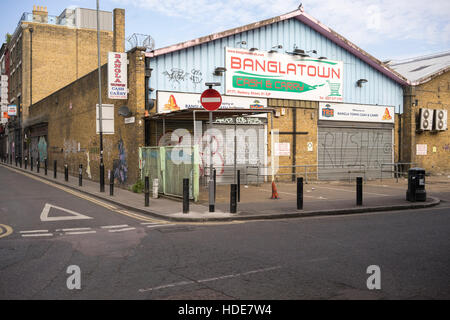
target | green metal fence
x=170, y=165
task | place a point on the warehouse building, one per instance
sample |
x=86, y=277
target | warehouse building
x=424, y=135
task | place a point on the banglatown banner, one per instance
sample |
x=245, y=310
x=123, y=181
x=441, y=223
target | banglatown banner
x=284, y=76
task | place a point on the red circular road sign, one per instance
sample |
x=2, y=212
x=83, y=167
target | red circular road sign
x=211, y=99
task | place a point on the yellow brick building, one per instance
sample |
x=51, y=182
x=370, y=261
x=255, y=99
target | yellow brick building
x=428, y=148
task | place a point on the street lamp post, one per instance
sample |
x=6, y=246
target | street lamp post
x=102, y=166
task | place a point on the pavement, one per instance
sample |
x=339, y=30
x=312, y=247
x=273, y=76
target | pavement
x=320, y=198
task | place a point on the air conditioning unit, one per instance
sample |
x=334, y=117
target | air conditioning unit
x=426, y=119
x=440, y=120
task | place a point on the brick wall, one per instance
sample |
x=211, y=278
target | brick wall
x=72, y=137
x=434, y=94
x=306, y=115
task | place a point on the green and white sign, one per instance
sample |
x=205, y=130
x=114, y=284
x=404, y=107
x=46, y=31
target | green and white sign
x=284, y=76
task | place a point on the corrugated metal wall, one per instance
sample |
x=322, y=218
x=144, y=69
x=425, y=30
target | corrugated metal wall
x=187, y=70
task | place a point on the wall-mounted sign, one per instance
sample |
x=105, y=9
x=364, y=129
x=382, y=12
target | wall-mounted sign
x=173, y=101
x=285, y=76
x=130, y=120
x=282, y=149
x=310, y=146
x=107, y=117
x=421, y=149
x=355, y=112
x=117, y=75
x=12, y=110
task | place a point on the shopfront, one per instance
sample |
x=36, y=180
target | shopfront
x=354, y=140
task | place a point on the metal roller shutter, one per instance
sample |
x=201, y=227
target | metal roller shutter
x=343, y=152
x=250, y=152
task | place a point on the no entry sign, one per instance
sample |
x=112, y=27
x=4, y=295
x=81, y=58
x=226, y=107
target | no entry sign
x=211, y=99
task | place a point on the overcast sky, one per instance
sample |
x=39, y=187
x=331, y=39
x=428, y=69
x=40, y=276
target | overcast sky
x=386, y=28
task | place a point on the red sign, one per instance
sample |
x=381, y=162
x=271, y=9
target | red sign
x=211, y=99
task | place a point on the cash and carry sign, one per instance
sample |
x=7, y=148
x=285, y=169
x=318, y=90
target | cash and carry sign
x=284, y=76
x=356, y=112
x=117, y=75
x=175, y=101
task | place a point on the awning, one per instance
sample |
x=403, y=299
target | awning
x=203, y=115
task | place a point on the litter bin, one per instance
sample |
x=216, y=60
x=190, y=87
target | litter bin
x=416, y=185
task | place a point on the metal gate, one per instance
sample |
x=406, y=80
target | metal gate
x=170, y=165
x=345, y=153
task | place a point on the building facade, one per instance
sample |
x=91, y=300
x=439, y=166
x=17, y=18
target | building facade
x=424, y=134
x=46, y=53
x=337, y=76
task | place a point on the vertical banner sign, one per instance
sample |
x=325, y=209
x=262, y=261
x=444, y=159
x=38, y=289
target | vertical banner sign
x=117, y=75
x=285, y=76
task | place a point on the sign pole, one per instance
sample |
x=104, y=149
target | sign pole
x=102, y=167
x=211, y=100
x=211, y=180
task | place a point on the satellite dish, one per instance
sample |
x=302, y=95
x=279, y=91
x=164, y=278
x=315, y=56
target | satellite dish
x=124, y=111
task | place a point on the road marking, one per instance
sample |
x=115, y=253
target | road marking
x=119, y=226
x=182, y=283
x=7, y=232
x=33, y=231
x=74, y=229
x=85, y=197
x=161, y=225
x=81, y=232
x=120, y=230
x=149, y=223
x=38, y=235
x=73, y=215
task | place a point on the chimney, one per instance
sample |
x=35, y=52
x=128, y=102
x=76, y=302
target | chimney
x=119, y=30
x=40, y=14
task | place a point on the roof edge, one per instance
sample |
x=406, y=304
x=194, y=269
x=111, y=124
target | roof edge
x=308, y=20
x=352, y=48
x=223, y=34
x=430, y=76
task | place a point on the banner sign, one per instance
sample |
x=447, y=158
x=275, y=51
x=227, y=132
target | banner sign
x=355, y=112
x=284, y=76
x=174, y=101
x=117, y=75
x=12, y=110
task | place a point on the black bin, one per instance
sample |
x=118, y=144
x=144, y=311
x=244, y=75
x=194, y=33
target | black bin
x=416, y=185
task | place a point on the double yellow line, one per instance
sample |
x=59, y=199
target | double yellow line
x=91, y=199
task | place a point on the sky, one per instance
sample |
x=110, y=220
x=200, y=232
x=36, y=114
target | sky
x=387, y=29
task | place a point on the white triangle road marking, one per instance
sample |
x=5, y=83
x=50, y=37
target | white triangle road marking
x=73, y=215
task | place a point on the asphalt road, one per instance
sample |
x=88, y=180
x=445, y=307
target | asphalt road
x=126, y=256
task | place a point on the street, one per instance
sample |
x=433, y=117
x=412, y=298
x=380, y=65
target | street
x=125, y=255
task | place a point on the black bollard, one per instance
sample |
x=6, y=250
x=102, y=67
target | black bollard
x=147, y=191
x=80, y=175
x=300, y=193
x=55, y=168
x=38, y=165
x=185, y=195
x=359, y=191
x=214, y=178
x=66, y=172
x=111, y=183
x=20, y=161
x=233, y=198
x=16, y=161
x=45, y=166
x=31, y=164
x=26, y=163
x=239, y=185
x=102, y=177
